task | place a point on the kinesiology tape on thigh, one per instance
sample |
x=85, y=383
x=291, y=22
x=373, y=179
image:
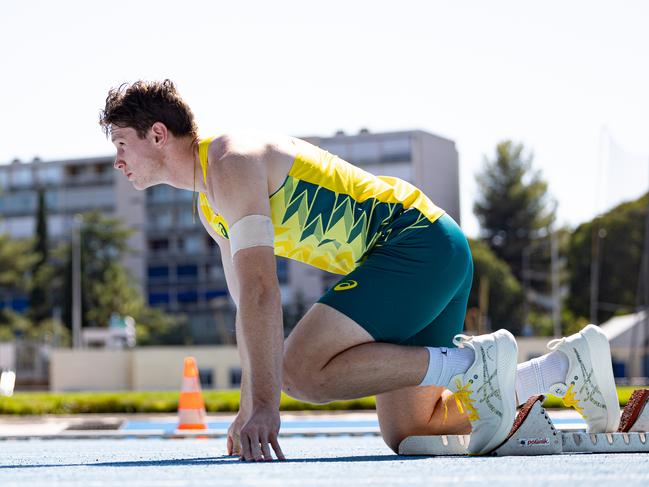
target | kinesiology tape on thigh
x=251, y=231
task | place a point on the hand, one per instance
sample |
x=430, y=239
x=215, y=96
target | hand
x=259, y=431
x=234, y=434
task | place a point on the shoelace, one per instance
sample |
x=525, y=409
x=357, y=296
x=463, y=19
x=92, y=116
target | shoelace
x=553, y=344
x=459, y=340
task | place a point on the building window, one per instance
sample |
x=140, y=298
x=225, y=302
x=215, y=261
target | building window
x=49, y=175
x=87, y=197
x=161, y=221
x=20, y=304
x=187, y=271
x=159, y=245
x=396, y=150
x=21, y=227
x=158, y=273
x=22, y=177
x=188, y=297
x=20, y=202
x=52, y=199
x=206, y=376
x=158, y=298
x=185, y=218
x=235, y=376
x=191, y=243
x=365, y=152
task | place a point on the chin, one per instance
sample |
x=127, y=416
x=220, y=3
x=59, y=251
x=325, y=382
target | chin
x=141, y=186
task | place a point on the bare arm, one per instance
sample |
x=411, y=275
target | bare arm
x=237, y=183
x=245, y=403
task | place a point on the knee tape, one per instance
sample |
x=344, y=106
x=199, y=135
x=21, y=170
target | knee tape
x=251, y=231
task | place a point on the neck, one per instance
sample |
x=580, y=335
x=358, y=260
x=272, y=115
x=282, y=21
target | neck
x=184, y=165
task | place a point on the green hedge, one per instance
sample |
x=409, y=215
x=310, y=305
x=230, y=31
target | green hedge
x=146, y=402
x=167, y=402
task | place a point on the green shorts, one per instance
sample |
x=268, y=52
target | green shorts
x=413, y=286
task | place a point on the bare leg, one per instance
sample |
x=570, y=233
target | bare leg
x=419, y=411
x=328, y=356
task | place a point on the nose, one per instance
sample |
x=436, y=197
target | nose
x=118, y=164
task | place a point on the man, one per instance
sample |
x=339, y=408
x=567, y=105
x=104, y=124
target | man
x=388, y=327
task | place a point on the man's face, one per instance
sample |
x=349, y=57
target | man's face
x=138, y=159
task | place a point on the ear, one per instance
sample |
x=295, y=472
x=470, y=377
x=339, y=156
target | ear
x=159, y=134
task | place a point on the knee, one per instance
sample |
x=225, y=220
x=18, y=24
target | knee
x=395, y=431
x=393, y=438
x=442, y=419
x=301, y=382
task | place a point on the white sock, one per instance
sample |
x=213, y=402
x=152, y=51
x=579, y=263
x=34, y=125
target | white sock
x=444, y=363
x=535, y=376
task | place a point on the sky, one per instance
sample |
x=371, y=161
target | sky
x=569, y=80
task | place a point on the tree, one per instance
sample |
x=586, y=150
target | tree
x=513, y=207
x=107, y=287
x=505, y=296
x=16, y=259
x=620, y=235
x=40, y=303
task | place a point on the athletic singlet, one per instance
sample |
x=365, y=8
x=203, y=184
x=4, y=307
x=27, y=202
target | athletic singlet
x=329, y=213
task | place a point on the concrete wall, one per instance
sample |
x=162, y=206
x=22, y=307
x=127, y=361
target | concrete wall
x=90, y=369
x=436, y=171
x=155, y=368
x=161, y=368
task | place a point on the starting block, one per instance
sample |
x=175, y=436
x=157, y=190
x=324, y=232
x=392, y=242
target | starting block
x=534, y=434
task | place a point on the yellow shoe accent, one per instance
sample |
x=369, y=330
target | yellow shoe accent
x=571, y=401
x=463, y=398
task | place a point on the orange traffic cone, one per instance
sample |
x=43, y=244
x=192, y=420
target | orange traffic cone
x=191, y=408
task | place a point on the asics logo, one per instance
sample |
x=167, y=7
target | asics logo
x=345, y=285
x=489, y=389
x=589, y=389
x=488, y=352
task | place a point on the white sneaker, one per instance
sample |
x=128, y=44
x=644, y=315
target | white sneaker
x=487, y=389
x=589, y=386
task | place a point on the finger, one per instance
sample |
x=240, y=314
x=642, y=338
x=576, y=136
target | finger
x=236, y=444
x=245, y=448
x=275, y=444
x=265, y=451
x=229, y=447
x=255, y=450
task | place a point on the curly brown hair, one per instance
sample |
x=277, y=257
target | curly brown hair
x=140, y=104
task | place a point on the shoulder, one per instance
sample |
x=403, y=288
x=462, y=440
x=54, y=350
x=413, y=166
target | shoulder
x=240, y=145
